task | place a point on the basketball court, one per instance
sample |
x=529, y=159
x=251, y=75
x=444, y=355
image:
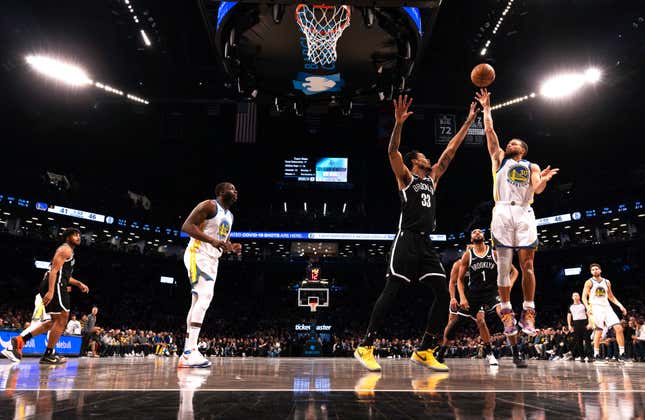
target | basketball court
x=323, y=388
x=304, y=59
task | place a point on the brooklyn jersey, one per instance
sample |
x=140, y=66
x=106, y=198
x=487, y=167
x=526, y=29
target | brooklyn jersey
x=64, y=273
x=512, y=182
x=418, y=205
x=482, y=271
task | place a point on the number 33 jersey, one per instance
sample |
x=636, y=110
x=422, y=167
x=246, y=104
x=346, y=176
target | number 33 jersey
x=418, y=204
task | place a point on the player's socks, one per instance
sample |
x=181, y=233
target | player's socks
x=428, y=341
x=528, y=305
x=26, y=337
x=439, y=353
x=487, y=349
x=506, y=305
x=193, y=335
x=368, y=340
x=621, y=350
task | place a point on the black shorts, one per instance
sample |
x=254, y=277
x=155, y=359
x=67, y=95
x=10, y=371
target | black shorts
x=60, y=300
x=412, y=257
x=486, y=302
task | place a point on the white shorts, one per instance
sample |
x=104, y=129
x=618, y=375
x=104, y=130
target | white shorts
x=202, y=272
x=604, y=317
x=514, y=226
x=40, y=314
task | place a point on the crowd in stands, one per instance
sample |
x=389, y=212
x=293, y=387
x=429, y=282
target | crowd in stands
x=552, y=343
x=254, y=310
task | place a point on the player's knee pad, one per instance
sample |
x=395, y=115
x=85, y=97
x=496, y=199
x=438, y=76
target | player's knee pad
x=201, y=306
x=504, y=261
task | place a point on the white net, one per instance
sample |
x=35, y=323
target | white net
x=323, y=26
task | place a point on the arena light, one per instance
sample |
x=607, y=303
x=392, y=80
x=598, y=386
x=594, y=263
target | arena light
x=592, y=75
x=563, y=85
x=56, y=69
x=513, y=101
x=324, y=209
x=498, y=24
x=73, y=75
x=344, y=207
x=284, y=205
x=146, y=40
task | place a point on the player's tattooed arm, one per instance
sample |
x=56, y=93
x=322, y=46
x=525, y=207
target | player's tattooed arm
x=448, y=155
x=191, y=226
x=492, y=142
x=401, y=113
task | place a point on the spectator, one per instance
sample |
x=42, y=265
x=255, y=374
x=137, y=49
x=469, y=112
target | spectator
x=73, y=326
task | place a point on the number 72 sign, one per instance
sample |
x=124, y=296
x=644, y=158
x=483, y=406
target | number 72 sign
x=444, y=128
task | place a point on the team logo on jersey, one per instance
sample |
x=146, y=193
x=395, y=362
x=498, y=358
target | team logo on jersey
x=518, y=175
x=600, y=292
x=224, y=229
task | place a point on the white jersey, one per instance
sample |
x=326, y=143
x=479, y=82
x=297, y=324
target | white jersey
x=512, y=182
x=218, y=227
x=598, y=293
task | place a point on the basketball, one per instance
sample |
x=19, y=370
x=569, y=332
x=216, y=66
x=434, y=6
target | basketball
x=482, y=75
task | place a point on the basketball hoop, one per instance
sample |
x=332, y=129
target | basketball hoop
x=313, y=303
x=323, y=26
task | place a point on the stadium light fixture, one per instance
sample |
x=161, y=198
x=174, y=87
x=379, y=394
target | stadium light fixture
x=563, y=85
x=146, y=40
x=56, y=69
x=73, y=75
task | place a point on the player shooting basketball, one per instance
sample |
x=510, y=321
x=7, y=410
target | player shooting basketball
x=513, y=227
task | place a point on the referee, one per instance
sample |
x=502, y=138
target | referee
x=577, y=320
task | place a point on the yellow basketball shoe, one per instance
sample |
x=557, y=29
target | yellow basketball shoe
x=365, y=355
x=426, y=359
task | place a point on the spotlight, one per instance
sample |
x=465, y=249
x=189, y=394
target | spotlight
x=146, y=40
x=483, y=51
x=66, y=73
x=592, y=75
x=566, y=84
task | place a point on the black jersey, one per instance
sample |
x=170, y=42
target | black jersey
x=66, y=271
x=418, y=204
x=482, y=271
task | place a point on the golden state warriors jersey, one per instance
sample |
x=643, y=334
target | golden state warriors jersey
x=218, y=227
x=512, y=182
x=598, y=293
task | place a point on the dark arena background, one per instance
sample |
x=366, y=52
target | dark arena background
x=120, y=116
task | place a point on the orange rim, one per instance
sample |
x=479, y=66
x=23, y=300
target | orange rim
x=322, y=6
